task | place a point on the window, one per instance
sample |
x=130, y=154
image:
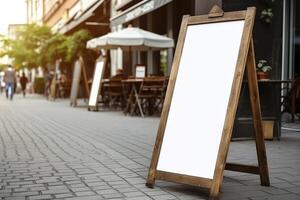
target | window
x=49, y=4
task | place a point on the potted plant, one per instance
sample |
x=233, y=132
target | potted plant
x=263, y=70
x=266, y=15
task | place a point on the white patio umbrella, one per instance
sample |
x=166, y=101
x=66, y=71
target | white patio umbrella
x=131, y=38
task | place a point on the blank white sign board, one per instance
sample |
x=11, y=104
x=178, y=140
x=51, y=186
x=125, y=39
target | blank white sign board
x=140, y=71
x=93, y=100
x=75, y=82
x=200, y=99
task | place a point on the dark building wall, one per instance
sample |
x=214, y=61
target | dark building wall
x=297, y=34
x=268, y=46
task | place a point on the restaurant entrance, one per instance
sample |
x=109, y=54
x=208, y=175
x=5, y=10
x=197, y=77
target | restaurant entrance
x=297, y=40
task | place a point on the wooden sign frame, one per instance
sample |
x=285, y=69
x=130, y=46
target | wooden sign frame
x=83, y=78
x=246, y=60
x=52, y=95
x=53, y=85
x=104, y=60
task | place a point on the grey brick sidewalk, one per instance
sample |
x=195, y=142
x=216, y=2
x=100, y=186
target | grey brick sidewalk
x=49, y=150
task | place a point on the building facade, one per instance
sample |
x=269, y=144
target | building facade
x=14, y=30
x=35, y=11
x=164, y=17
x=291, y=39
x=69, y=16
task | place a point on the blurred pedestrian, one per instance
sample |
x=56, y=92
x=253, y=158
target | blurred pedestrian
x=2, y=83
x=47, y=80
x=119, y=75
x=23, y=82
x=9, y=79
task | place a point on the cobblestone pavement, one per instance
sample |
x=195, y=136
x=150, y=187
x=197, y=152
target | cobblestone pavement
x=49, y=150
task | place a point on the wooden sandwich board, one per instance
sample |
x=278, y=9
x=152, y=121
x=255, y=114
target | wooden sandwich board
x=100, y=66
x=52, y=95
x=53, y=85
x=199, y=110
x=79, y=74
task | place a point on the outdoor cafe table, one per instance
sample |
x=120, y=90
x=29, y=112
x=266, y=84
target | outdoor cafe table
x=288, y=84
x=133, y=98
x=278, y=86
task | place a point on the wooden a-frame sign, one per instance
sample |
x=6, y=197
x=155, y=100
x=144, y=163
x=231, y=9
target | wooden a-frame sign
x=198, y=115
x=78, y=75
x=99, y=71
x=53, y=84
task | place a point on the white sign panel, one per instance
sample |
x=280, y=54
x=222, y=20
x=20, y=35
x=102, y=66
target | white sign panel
x=140, y=71
x=75, y=82
x=200, y=99
x=93, y=100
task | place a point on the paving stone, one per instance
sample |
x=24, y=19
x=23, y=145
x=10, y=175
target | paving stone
x=80, y=185
x=133, y=194
x=85, y=193
x=127, y=190
x=20, y=190
x=80, y=189
x=62, y=187
x=40, y=197
x=110, y=191
x=164, y=197
x=15, y=198
x=62, y=196
x=278, y=197
x=25, y=194
x=37, y=188
x=86, y=198
x=112, y=196
x=60, y=191
x=21, y=183
x=5, y=193
x=33, y=185
x=138, y=198
x=72, y=182
x=101, y=187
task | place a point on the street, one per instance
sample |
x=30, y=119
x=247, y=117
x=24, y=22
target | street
x=49, y=150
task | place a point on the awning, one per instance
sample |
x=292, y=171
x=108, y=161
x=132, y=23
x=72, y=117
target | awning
x=137, y=10
x=123, y=4
x=84, y=16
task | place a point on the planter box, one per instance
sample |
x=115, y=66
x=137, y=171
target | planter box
x=268, y=129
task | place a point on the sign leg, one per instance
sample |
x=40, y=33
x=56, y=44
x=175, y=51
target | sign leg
x=257, y=119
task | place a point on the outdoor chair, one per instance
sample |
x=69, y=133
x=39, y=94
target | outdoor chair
x=104, y=97
x=64, y=88
x=115, y=93
x=152, y=94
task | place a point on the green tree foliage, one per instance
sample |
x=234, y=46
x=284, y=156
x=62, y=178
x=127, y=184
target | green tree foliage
x=38, y=46
x=26, y=48
x=2, y=67
x=55, y=48
x=76, y=44
x=31, y=39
